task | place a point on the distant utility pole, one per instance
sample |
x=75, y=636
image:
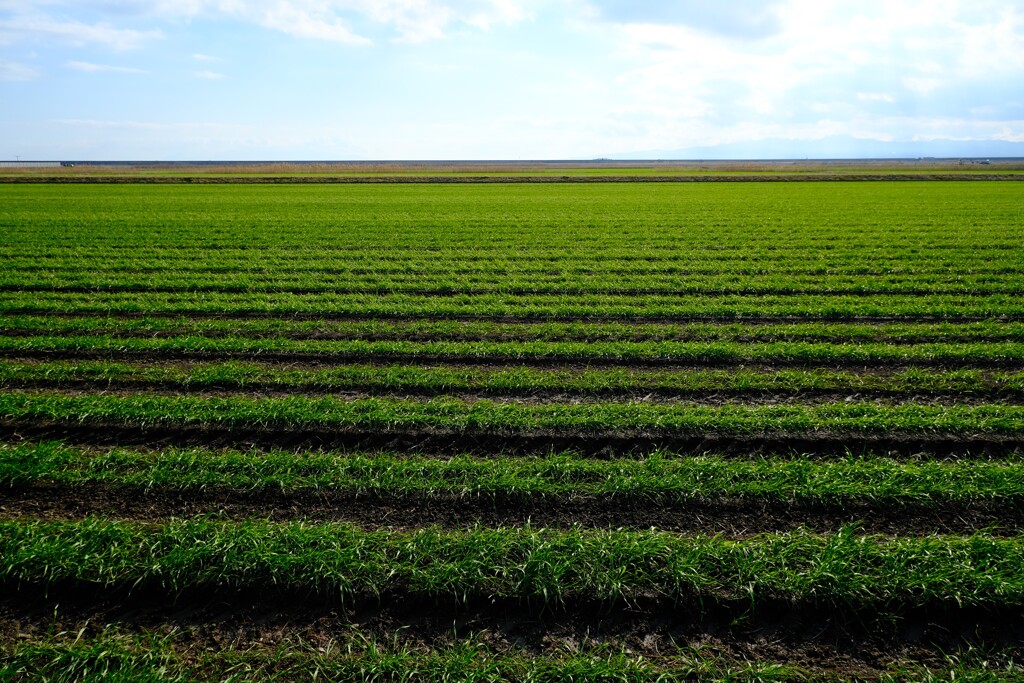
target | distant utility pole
x=17, y=158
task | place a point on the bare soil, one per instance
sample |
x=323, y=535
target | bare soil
x=526, y=396
x=820, y=444
x=735, y=517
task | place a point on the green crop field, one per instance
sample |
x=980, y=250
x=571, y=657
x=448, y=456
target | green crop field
x=529, y=431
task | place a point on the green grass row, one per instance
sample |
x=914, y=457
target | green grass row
x=533, y=305
x=512, y=381
x=119, y=657
x=411, y=263
x=848, y=216
x=618, y=351
x=556, y=239
x=449, y=414
x=497, y=330
x=663, y=477
x=536, y=283
x=763, y=247
x=518, y=564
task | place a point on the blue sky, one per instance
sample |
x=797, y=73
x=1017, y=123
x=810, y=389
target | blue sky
x=499, y=79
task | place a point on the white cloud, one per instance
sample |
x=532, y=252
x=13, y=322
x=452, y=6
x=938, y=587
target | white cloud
x=740, y=18
x=13, y=71
x=89, y=67
x=305, y=22
x=695, y=86
x=94, y=123
x=20, y=27
x=923, y=85
x=875, y=97
x=199, y=57
x=420, y=20
x=142, y=139
x=209, y=75
x=331, y=20
x=411, y=20
x=143, y=125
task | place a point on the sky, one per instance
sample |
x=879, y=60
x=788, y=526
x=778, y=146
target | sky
x=505, y=79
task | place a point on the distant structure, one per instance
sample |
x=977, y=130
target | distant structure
x=30, y=164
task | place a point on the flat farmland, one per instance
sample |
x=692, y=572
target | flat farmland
x=630, y=431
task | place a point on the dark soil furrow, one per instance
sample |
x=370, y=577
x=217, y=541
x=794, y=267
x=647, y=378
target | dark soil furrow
x=528, y=395
x=734, y=517
x=483, y=443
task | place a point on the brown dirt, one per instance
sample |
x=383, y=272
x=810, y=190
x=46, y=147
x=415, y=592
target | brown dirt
x=735, y=517
x=821, y=444
x=1004, y=396
x=526, y=397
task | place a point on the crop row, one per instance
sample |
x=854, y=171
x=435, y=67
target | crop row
x=555, y=233
x=836, y=238
x=787, y=272
x=645, y=284
x=856, y=217
x=665, y=477
x=840, y=248
x=498, y=330
x=602, y=242
x=610, y=259
x=664, y=352
x=511, y=381
x=517, y=564
x=819, y=306
x=298, y=412
x=119, y=656
x=256, y=263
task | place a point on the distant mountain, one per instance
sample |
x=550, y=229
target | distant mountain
x=836, y=147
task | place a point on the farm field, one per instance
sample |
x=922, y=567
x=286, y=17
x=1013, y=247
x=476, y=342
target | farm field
x=479, y=432
x=538, y=170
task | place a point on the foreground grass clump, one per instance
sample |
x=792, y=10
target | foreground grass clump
x=516, y=564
